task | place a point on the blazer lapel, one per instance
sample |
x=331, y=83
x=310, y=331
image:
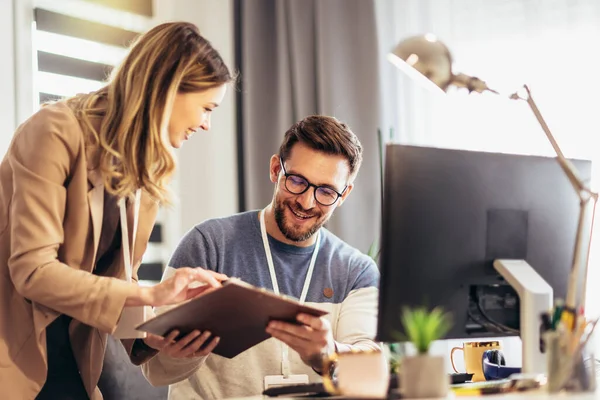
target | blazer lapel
x=146, y=219
x=130, y=228
x=96, y=204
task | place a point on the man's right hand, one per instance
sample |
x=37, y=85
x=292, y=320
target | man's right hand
x=176, y=288
x=190, y=346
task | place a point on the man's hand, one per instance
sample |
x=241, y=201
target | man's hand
x=187, y=347
x=311, y=340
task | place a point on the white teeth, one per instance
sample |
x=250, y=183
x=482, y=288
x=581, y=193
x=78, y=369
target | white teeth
x=301, y=215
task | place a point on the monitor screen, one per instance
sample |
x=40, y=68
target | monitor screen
x=448, y=214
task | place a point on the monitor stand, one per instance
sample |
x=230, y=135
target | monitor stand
x=536, y=297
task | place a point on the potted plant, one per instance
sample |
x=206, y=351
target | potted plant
x=424, y=375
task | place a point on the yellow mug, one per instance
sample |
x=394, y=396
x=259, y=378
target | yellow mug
x=473, y=353
x=363, y=374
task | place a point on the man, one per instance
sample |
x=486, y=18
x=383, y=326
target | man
x=282, y=248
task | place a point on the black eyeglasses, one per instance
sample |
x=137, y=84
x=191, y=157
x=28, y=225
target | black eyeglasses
x=296, y=184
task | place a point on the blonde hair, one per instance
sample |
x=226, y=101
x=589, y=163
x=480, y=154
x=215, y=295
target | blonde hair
x=132, y=145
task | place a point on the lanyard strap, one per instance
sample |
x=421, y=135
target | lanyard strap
x=127, y=255
x=285, y=361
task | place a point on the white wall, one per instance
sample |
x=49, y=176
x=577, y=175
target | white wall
x=206, y=181
x=7, y=72
x=25, y=102
x=16, y=70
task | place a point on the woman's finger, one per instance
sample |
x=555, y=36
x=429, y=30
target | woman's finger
x=174, y=289
x=218, y=276
x=202, y=275
x=194, y=292
x=212, y=278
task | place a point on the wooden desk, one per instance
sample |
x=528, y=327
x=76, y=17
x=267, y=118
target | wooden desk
x=533, y=395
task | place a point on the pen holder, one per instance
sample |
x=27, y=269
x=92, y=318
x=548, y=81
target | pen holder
x=571, y=365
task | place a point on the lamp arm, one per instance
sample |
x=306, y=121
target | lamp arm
x=569, y=169
x=589, y=247
x=584, y=234
x=586, y=196
x=474, y=84
x=581, y=254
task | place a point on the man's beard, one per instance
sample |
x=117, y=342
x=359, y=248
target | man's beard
x=289, y=230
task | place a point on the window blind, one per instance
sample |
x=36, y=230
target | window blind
x=78, y=42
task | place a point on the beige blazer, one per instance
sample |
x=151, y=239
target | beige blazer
x=51, y=209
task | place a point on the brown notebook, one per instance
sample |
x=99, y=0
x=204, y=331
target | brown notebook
x=237, y=312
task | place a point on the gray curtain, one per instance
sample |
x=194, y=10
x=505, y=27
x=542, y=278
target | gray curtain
x=311, y=57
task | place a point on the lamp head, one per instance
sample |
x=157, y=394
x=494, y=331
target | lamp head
x=425, y=59
x=428, y=60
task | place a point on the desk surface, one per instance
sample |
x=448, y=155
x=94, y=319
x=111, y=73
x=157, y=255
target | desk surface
x=509, y=396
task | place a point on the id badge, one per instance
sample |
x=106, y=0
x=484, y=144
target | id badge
x=280, y=380
x=131, y=317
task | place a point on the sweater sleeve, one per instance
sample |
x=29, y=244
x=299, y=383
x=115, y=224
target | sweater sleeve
x=357, y=322
x=194, y=250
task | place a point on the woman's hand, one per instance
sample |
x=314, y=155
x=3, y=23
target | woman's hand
x=176, y=288
x=192, y=345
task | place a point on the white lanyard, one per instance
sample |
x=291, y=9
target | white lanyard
x=127, y=255
x=285, y=362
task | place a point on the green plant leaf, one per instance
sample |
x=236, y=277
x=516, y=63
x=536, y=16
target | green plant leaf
x=374, y=250
x=422, y=327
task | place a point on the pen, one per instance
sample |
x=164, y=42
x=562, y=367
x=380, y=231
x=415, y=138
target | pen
x=558, y=308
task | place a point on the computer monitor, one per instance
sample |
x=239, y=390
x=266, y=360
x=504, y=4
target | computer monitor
x=448, y=214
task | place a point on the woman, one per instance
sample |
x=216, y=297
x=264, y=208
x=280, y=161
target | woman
x=79, y=187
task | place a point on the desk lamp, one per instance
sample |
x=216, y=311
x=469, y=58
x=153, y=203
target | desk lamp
x=428, y=61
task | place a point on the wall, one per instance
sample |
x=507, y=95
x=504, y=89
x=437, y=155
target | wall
x=17, y=70
x=7, y=72
x=206, y=181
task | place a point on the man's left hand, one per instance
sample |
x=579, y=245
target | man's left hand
x=312, y=339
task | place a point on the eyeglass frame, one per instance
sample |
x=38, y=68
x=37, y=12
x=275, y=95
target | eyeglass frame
x=309, y=185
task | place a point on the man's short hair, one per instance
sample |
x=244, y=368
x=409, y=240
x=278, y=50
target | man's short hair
x=326, y=134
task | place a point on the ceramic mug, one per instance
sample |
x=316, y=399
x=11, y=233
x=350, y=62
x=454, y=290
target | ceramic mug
x=473, y=354
x=363, y=374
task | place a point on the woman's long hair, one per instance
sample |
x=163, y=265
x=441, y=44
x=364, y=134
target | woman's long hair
x=132, y=146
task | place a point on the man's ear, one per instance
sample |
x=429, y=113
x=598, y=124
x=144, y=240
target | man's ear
x=274, y=168
x=346, y=194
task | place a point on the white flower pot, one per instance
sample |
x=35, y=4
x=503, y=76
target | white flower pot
x=423, y=376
